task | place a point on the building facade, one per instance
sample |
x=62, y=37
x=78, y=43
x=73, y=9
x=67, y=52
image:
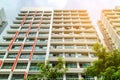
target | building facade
x=3, y=21
x=39, y=34
x=109, y=25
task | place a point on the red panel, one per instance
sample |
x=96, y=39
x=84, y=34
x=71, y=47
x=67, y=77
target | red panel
x=25, y=75
x=16, y=34
x=30, y=25
x=24, y=19
x=15, y=62
x=31, y=54
x=13, y=39
x=1, y=62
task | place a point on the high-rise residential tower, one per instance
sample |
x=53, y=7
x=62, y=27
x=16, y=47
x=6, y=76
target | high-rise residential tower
x=110, y=27
x=40, y=34
x=3, y=21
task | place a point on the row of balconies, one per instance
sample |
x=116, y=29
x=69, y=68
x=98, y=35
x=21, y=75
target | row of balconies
x=36, y=11
x=30, y=35
x=32, y=30
x=37, y=14
x=70, y=14
x=34, y=21
x=33, y=25
x=63, y=29
x=9, y=37
x=70, y=11
x=71, y=65
x=36, y=18
x=72, y=24
x=86, y=17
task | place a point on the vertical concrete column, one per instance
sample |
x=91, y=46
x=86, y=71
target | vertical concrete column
x=64, y=77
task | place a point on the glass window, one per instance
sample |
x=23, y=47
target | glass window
x=81, y=46
x=69, y=54
x=55, y=55
x=12, y=55
x=84, y=65
x=69, y=47
x=38, y=57
x=25, y=55
x=28, y=47
x=33, y=67
x=71, y=65
x=4, y=76
x=21, y=66
x=1, y=55
x=80, y=55
x=71, y=76
x=18, y=77
x=3, y=47
x=7, y=66
x=15, y=47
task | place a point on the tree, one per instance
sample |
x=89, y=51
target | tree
x=50, y=72
x=108, y=64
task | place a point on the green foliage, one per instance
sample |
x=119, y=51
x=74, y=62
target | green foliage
x=108, y=64
x=50, y=72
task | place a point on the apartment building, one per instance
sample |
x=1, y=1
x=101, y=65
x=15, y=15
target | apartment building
x=3, y=21
x=40, y=34
x=109, y=25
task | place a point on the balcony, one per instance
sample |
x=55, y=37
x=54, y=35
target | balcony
x=21, y=66
x=33, y=67
x=40, y=57
x=12, y=55
x=2, y=55
x=18, y=77
x=41, y=49
x=4, y=76
x=71, y=65
x=3, y=47
x=7, y=66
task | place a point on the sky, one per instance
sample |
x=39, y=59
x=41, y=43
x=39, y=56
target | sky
x=94, y=7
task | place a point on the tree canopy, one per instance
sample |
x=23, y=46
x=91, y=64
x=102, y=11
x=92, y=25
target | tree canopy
x=108, y=64
x=50, y=72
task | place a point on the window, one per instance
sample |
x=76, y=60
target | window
x=2, y=55
x=18, y=77
x=15, y=47
x=3, y=47
x=84, y=65
x=32, y=34
x=12, y=55
x=81, y=55
x=4, y=76
x=55, y=55
x=81, y=46
x=7, y=65
x=71, y=65
x=19, y=40
x=29, y=39
x=69, y=46
x=40, y=48
x=25, y=55
x=21, y=66
x=27, y=47
x=38, y=57
x=33, y=67
x=69, y=54
x=71, y=76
